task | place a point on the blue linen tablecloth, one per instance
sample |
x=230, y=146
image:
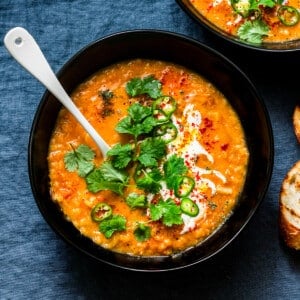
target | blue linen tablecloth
x=36, y=264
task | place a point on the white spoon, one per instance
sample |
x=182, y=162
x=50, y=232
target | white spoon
x=22, y=46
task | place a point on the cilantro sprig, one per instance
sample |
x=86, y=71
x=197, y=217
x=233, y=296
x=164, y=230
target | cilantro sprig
x=151, y=151
x=147, y=85
x=253, y=31
x=135, y=200
x=106, y=177
x=139, y=121
x=142, y=232
x=168, y=211
x=149, y=179
x=80, y=159
x=111, y=225
x=121, y=155
x=174, y=169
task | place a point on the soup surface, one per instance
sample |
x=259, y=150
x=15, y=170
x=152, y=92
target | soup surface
x=254, y=21
x=176, y=167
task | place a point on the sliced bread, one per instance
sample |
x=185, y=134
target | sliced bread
x=289, y=207
x=296, y=122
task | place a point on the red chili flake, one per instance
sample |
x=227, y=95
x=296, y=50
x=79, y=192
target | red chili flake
x=224, y=147
x=177, y=201
x=197, y=177
x=202, y=130
x=163, y=77
x=187, y=164
x=207, y=144
x=183, y=79
x=207, y=122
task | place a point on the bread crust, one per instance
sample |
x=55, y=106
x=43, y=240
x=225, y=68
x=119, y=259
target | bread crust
x=296, y=122
x=289, y=208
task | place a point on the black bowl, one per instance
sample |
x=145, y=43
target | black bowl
x=267, y=47
x=227, y=77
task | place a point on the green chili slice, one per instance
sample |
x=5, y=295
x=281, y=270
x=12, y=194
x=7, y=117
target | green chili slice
x=101, y=212
x=184, y=186
x=288, y=15
x=189, y=207
x=160, y=116
x=241, y=7
x=166, y=104
x=168, y=132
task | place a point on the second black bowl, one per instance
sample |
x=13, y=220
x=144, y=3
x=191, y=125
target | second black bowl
x=288, y=46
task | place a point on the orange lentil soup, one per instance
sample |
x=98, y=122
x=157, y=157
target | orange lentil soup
x=274, y=22
x=190, y=182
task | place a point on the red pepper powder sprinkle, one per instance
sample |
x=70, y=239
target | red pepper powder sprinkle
x=224, y=147
x=207, y=123
x=202, y=130
x=197, y=177
x=183, y=79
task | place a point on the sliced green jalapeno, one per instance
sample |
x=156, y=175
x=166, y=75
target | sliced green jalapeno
x=189, y=207
x=160, y=116
x=241, y=7
x=166, y=104
x=100, y=212
x=184, y=186
x=168, y=132
x=288, y=15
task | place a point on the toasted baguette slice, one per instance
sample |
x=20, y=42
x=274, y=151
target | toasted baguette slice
x=289, y=208
x=296, y=122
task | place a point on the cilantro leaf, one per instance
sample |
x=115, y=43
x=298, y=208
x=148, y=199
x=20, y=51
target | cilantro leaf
x=111, y=225
x=139, y=121
x=149, y=123
x=149, y=180
x=151, y=150
x=253, y=32
x=109, y=173
x=174, y=169
x=106, y=177
x=121, y=155
x=255, y=5
x=135, y=200
x=80, y=160
x=138, y=112
x=147, y=85
x=142, y=232
x=125, y=126
x=96, y=182
x=168, y=211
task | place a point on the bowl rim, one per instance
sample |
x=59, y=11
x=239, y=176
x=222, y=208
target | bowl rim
x=183, y=38
x=191, y=11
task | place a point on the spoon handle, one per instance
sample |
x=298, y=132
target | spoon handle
x=22, y=46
